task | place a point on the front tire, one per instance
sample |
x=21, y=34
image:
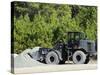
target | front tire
x=87, y=60
x=79, y=57
x=52, y=58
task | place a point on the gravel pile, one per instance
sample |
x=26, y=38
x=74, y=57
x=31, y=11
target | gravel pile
x=24, y=60
x=14, y=55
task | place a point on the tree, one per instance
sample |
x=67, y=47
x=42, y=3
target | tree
x=42, y=24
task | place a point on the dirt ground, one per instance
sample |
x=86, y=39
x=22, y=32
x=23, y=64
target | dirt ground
x=69, y=66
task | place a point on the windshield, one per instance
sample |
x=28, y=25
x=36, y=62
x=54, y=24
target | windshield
x=76, y=36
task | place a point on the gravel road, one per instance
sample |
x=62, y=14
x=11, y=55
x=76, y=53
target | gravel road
x=52, y=68
x=23, y=63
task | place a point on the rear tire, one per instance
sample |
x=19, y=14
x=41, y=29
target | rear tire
x=79, y=57
x=52, y=58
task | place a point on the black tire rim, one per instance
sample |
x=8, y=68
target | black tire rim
x=52, y=59
x=78, y=57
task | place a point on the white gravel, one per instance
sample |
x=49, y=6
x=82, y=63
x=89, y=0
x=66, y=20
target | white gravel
x=24, y=60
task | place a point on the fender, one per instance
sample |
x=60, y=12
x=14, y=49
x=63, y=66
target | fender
x=81, y=49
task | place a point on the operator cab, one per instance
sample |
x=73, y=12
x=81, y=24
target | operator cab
x=74, y=39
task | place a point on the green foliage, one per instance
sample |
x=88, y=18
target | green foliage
x=41, y=24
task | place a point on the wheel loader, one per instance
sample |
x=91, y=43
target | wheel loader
x=77, y=49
